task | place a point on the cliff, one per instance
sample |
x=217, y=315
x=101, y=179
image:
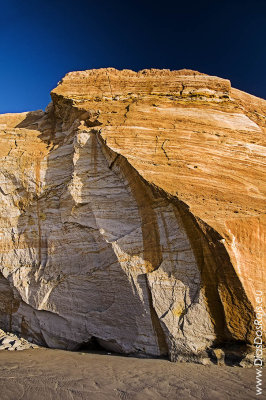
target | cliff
x=133, y=214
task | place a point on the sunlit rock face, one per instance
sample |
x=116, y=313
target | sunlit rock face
x=132, y=214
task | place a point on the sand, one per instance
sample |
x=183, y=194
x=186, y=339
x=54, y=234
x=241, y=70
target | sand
x=55, y=374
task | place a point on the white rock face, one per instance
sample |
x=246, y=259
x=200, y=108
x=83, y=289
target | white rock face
x=99, y=254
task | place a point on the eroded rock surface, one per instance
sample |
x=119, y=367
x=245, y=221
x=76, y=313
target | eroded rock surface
x=132, y=213
x=11, y=342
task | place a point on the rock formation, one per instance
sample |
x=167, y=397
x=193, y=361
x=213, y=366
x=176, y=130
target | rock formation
x=132, y=214
x=9, y=341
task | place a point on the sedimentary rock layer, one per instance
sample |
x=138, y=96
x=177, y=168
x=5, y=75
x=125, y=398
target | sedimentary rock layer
x=132, y=214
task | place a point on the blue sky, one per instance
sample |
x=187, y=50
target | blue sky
x=40, y=41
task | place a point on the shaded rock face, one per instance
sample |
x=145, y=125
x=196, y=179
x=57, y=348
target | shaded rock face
x=132, y=212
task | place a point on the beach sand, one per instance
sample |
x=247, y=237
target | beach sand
x=46, y=374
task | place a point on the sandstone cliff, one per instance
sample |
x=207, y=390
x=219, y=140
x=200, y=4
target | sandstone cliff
x=132, y=213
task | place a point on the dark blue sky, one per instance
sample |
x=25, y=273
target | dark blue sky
x=40, y=41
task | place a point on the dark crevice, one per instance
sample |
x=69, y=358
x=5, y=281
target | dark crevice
x=92, y=345
x=114, y=160
x=163, y=149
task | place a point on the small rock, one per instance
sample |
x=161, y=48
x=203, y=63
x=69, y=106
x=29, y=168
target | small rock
x=219, y=355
